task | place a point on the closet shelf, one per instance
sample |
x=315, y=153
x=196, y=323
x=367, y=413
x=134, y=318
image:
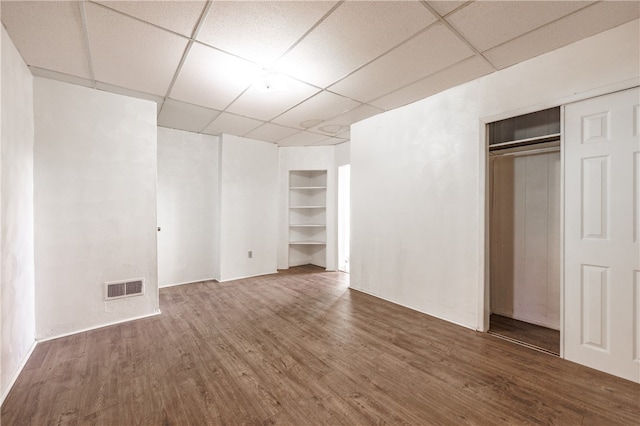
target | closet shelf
x=307, y=207
x=307, y=243
x=306, y=225
x=307, y=187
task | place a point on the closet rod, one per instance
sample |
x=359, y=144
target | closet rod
x=529, y=141
x=527, y=151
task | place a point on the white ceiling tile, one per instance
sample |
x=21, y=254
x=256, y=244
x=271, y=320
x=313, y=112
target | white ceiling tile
x=179, y=16
x=49, y=35
x=354, y=34
x=467, y=70
x=431, y=51
x=270, y=132
x=183, y=116
x=231, y=124
x=265, y=105
x=584, y=23
x=340, y=125
x=443, y=7
x=132, y=93
x=322, y=106
x=260, y=31
x=212, y=78
x=130, y=53
x=302, y=139
x=330, y=129
x=486, y=24
x=346, y=135
x=353, y=116
x=53, y=75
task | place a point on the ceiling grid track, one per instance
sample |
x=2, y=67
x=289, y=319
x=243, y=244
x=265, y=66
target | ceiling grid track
x=457, y=34
x=194, y=34
x=588, y=5
x=417, y=81
x=313, y=27
x=343, y=62
x=310, y=30
x=85, y=33
x=327, y=88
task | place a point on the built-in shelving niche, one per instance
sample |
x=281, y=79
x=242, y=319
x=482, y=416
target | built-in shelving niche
x=308, y=217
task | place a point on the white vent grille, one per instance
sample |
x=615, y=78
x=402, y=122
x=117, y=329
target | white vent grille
x=120, y=289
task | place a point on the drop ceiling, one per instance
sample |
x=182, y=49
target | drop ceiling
x=337, y=62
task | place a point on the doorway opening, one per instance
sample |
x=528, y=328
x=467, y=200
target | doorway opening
x=524, y=229
x=344, y=217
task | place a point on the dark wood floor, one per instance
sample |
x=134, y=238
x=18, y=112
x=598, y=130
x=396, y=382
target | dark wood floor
x=300, y=348
x=528, y=334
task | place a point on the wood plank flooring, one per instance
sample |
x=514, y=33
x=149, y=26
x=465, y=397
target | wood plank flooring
x=530, y=334
x=300, y=348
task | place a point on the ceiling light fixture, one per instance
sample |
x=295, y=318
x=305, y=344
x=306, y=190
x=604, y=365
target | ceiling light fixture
x=271, y=81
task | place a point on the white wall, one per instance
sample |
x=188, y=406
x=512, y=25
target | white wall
x=343, y=154
x=525, y=238
x=417, y=197
x=187, y=204
x=17, y=247
x=95, y=206
x=307, y=158
x=248, y=217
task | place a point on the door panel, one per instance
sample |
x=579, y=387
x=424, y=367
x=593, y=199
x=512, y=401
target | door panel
x=602, y=322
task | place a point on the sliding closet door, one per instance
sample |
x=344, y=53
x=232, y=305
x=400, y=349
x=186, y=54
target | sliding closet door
x=602, y=226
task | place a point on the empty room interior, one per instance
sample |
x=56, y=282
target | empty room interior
x=320, y=212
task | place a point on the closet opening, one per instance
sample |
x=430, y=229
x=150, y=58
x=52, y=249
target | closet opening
x=524, y=229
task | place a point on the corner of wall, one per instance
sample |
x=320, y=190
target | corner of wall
x=16, y=214
x=248, y=208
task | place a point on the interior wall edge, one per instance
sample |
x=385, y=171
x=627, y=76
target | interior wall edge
x=226, y=280
x=82, y=237
x=97, y=327
x=431, y=175
x=16, y=374
x=189, y=282
x=378, y=296
x=17, y=211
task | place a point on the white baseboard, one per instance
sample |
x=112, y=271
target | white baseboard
x=247, y=276
x=71, y=333
x=414, y=309
x=188, y=282
x=15, y=375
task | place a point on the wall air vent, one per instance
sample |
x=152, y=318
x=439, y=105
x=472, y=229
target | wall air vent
x=120, y=289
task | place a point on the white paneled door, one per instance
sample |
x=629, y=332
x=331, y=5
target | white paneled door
x=602, y=227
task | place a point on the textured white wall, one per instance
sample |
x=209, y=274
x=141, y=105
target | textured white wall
x=307, y=158
x=17, y=246
x=248, y=208
x=417, y=200
x=525, y=238
x=343, y=154
x=95, y=163
x=187, y=205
